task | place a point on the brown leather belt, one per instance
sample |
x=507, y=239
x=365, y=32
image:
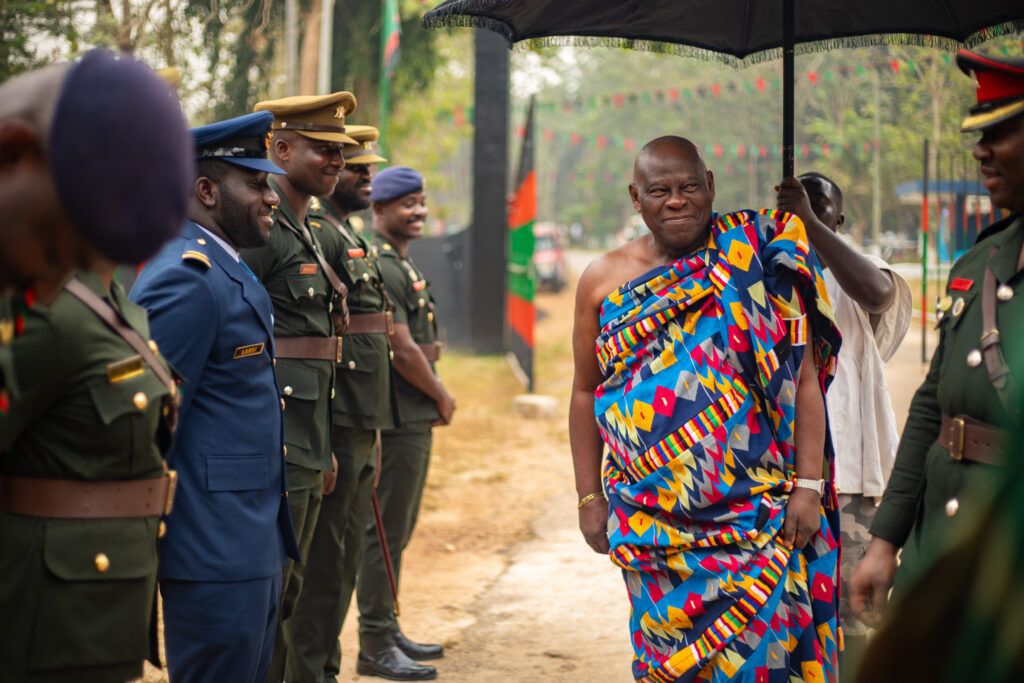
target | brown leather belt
x=371, y=323
x=431, y=351
x=74, y=499
x=968, y=439
x=311, y=348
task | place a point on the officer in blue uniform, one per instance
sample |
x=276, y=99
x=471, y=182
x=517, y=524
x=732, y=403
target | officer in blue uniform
x=230, y=531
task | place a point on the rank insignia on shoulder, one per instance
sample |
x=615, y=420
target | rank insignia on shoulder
x=356, y=253
x=197, y=256
x=314, y=204
x=307, y=269
x=961, y=284
x=246, y=351
x=124, y=369
x=387, y=247
x=419, y=284
x=316, y=224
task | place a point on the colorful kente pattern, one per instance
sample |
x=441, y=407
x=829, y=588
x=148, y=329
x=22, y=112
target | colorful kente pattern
x=700, y=360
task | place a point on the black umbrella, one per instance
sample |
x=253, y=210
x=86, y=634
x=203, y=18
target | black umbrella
x=743, y=31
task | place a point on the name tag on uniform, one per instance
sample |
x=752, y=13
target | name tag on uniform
x=419, y=284
x=356, y=253
x=250, y=350
x=124, y=369
x=307, y=269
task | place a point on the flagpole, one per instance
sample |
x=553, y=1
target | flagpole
x=389, y=37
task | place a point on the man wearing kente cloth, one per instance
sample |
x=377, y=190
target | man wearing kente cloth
x=714, y=344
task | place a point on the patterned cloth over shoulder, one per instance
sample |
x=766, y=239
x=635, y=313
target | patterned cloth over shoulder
x=700, y=360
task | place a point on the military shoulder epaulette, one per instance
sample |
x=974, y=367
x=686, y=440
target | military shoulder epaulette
x=196, y=257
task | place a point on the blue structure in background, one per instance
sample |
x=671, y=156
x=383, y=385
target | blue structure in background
x=966, y=211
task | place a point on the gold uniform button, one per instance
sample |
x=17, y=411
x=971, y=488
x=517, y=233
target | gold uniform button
x=332, y=393
x=330, y=307
x=952, y=506
x=366, y=277
x=430, y=316
x=288, y=390
x=140, y=400
x=422, y=303
x=974, y=358
x=274, y=362
x=284, y=450
x=102, y=562
x=201, y=240
x=1004, y=292
x=310, y=292
x=161, y=530
x=391, y=355
x=282, y=404
x=153, y=347
x=351, y=365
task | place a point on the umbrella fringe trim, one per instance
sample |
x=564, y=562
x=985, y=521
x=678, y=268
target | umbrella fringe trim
x=441, y=19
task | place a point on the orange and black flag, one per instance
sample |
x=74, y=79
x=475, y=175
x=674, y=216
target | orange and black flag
x=522, y=212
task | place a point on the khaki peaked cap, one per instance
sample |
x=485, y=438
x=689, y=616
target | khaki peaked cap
x=320, y=117
x=362, y=152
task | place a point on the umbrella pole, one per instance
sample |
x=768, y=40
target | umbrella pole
x=787, y=88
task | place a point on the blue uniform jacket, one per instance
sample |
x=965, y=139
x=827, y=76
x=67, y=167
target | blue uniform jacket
x=213, y=321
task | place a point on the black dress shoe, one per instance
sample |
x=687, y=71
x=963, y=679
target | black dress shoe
x=393, y=664
x=418, y=651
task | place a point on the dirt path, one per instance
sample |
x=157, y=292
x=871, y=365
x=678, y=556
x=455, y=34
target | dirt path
x=497, y=570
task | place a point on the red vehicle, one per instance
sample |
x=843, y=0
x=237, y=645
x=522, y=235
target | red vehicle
x=549, y=268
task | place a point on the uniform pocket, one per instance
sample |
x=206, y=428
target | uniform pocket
x=112, y=400
x=237, y=472
x=305, y=287
x=97, y=593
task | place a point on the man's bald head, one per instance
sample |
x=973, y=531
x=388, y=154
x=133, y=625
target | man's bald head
x=673, y=190
x=666, y=145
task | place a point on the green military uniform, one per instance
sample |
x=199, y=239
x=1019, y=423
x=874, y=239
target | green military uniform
x=76, y=593
x=303, y=300
x=924, y=492
x=8, y=386
x=406, y=452
x=363, y=404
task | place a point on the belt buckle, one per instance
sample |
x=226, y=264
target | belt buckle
x=957, y=431
x=172, y=486
x=389, y=322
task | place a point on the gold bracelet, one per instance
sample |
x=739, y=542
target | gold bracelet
x=589, y=497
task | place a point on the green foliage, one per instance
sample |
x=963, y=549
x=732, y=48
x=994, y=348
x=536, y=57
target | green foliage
x=20, y=21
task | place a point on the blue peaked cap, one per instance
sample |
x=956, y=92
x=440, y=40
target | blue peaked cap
x=243, y=141
x=395, y=181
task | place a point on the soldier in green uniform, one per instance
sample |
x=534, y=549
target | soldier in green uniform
x=399, y=213
x=83, y=482
x=305, y=291
x=363, y=404
x=957, y=426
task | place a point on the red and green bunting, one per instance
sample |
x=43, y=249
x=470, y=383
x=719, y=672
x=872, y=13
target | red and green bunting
x=522, y=213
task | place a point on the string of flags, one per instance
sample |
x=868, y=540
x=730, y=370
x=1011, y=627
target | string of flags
x=672, y=96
